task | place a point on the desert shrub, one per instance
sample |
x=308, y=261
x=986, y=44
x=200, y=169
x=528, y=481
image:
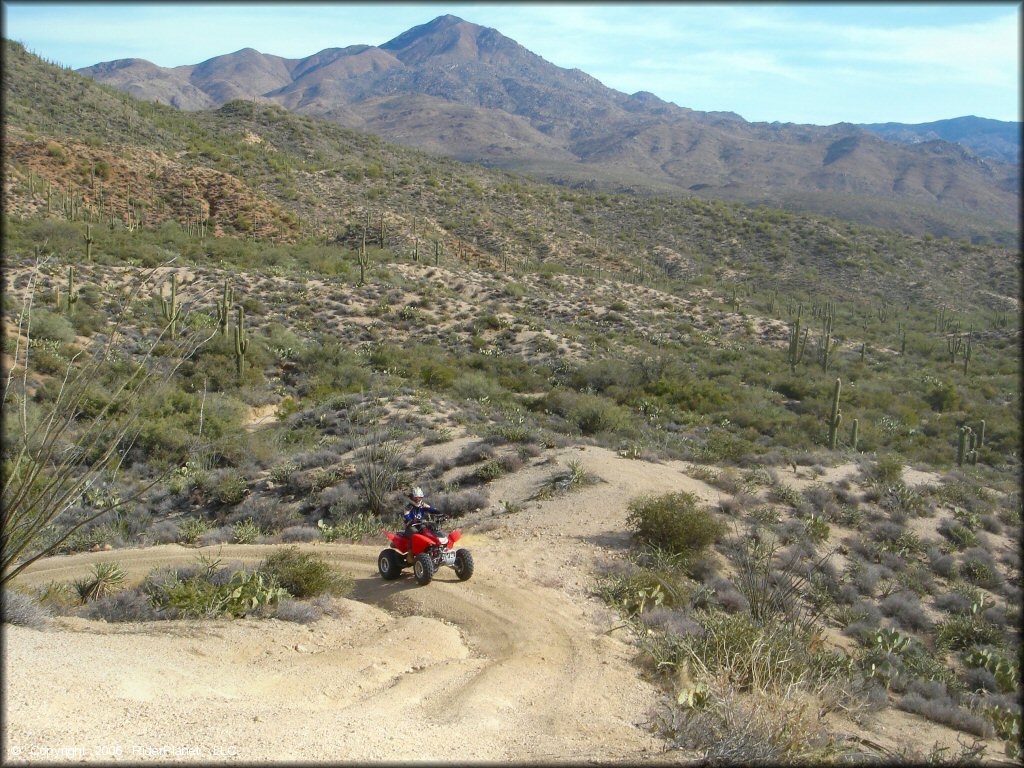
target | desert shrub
x=903, y=501
x=673, y=522
x=163, y=532
x=341, y=501
x=674, y=622
x=730, y=727
x=941, y=563
x=959, y=534
x=781, y=493
x=963, y=632
x=887, y=470
x=297, y=611
x=769, y=656
x=350, y=528
x=474, y=453
x=917, y=579
x=643, y=583
x=281, y=474
x=867, y=576
x=245, y=532
x=48, y=325
x=265, y=513
x=933, y=702
x=190, y=530
x=128, y=605
x=980, y=679
x=303, y=574
x=215, y=536
x=205, y=590
x=818, y=495
x=299, y=534
x=954, y=602
x=20, y=609
x=459, y=503
x=488, y=471
x=727, y=596
x=979, y=568
x=905, y=609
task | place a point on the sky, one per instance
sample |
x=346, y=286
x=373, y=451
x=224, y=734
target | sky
x=769, y=61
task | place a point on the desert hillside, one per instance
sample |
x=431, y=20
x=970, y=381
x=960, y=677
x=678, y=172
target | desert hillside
x=738, y=484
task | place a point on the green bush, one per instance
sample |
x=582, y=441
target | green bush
x=303, y=574
x=673, y=522
x=963, y=632
x=48, y=325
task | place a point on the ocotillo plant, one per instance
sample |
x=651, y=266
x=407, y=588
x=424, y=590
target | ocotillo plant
x=88, y=242
x=72, y=291
x=241, y=342
x=796, y=347
x=170, y=309
x=224, y=308
x=380, y=235
x=836, y=417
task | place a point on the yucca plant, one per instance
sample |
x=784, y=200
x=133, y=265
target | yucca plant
x=106, y=578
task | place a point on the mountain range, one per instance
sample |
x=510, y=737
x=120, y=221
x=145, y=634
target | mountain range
x=469, y=92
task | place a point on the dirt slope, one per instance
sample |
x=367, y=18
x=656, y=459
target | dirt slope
x=513, y=665
x=518, y=664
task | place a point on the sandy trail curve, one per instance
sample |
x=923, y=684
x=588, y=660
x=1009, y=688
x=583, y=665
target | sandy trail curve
x=513, y=665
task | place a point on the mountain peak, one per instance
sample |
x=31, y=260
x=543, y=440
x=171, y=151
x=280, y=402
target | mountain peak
x=421, y=31
x=452, y=40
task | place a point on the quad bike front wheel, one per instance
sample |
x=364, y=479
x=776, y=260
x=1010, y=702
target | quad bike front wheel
x=389, y=563
x=463, y=564
x=423, y=569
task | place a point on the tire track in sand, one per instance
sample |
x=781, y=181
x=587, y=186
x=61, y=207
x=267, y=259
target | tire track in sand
x=494, y=668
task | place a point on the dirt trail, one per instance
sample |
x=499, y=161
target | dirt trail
x=514, y=665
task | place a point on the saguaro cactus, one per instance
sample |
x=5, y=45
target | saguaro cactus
x=170, y=309
x=828, y=347
x=967, y=351
x=88, y=242
x=363, y=258
x=796, y=347
x=962, y=450
x=224, y=308
x=241, y=342
x=836, y=418
x=72, y=291
x=854, y=434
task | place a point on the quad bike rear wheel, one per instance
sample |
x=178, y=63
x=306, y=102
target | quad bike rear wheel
x=463, y=564
x=389, y=563
x=423, y=569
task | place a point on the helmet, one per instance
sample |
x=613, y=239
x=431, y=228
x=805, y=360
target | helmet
x=416, y=493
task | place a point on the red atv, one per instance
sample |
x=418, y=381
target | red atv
x=431, y=548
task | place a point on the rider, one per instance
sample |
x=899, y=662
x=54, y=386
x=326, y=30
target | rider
x=416, y=514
